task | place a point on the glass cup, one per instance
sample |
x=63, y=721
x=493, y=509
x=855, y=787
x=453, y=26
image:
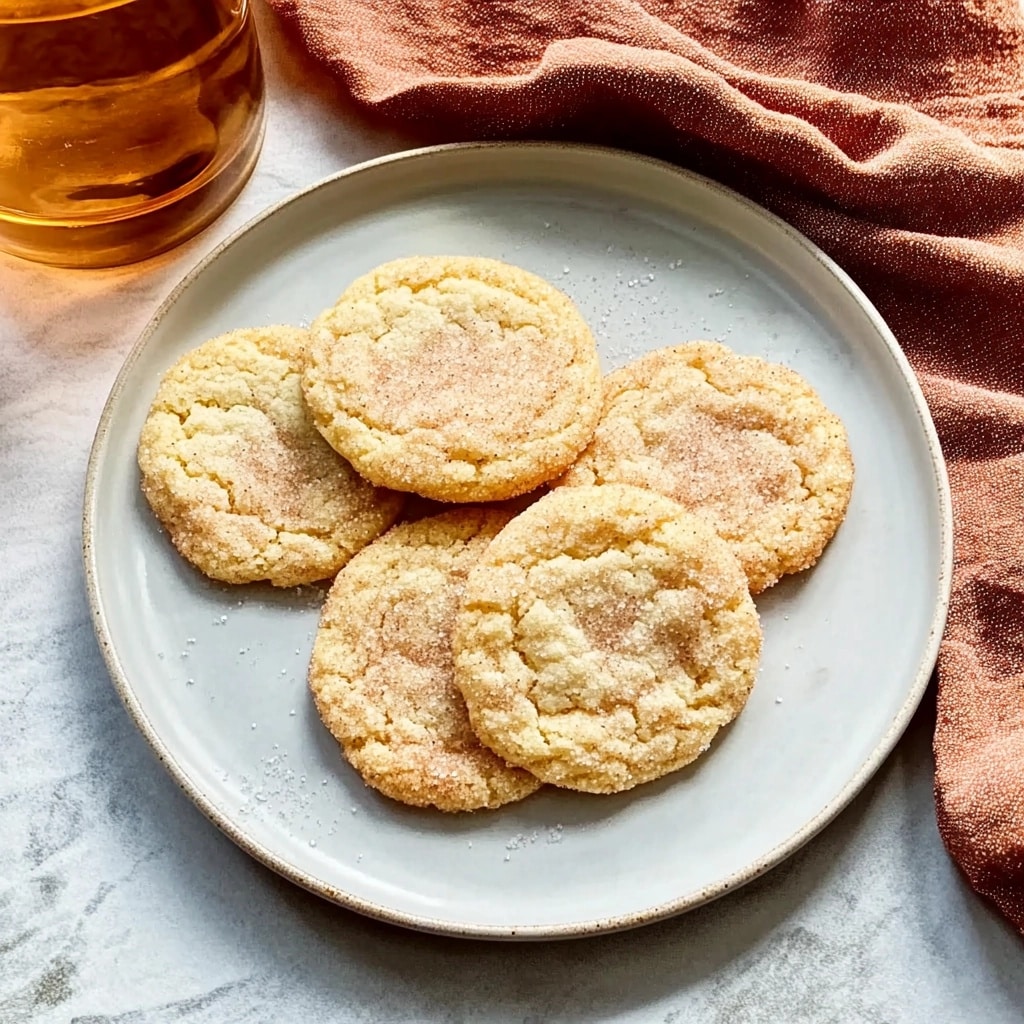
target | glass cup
x=126, y=126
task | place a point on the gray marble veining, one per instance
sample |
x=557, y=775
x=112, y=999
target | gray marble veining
x=121, y=904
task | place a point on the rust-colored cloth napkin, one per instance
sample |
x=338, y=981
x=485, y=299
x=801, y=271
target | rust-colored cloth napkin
x=892, y=134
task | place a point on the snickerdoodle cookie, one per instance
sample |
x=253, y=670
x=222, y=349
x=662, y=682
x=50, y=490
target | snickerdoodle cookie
x=743, y=442
x=458, y=378
x=238, y=475
x=605, y=636
x=381, y=672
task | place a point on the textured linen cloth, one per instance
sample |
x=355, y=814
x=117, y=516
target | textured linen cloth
x=891, y=133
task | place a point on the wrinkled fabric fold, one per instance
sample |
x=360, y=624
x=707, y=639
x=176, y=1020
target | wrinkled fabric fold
x=892, y=135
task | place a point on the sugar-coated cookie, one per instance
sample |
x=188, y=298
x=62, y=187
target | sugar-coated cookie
x=605, y=636
x=457, y=378
x=744, y=442
x=381, y=671
x=238, y=475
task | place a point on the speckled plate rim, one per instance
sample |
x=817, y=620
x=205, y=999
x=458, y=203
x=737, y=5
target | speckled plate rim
x=685, y=902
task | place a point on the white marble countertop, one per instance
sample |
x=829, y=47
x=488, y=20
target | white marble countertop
x=120, y=902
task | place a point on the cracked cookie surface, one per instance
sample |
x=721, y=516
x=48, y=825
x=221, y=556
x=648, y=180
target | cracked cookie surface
x=457, y=378
x=605, y=636
x=381, y=672
x=744, y=442
x=234, y=469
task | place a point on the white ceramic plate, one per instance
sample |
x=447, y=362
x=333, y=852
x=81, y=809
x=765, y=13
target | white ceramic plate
x=215, y=676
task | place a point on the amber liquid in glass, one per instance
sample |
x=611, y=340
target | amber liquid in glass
x=126, y=126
